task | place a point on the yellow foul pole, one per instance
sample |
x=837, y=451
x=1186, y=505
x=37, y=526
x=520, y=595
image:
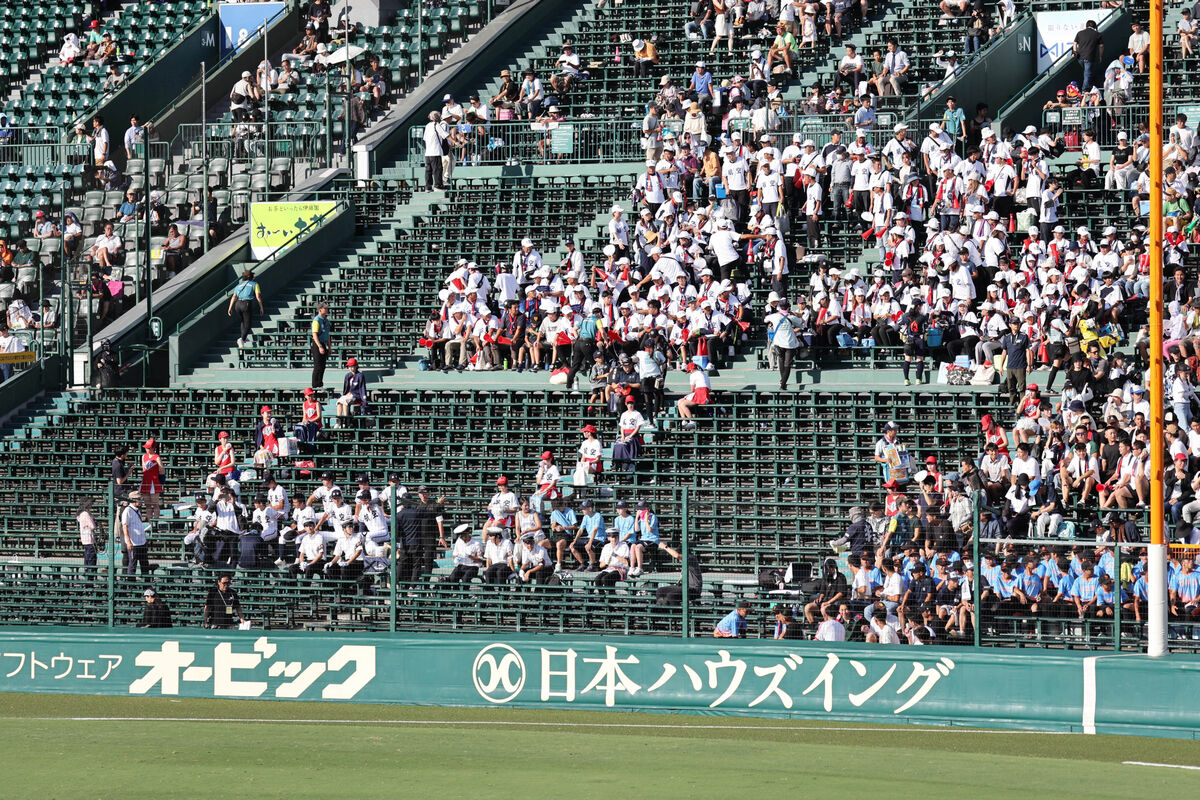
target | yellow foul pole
x=1157, y=566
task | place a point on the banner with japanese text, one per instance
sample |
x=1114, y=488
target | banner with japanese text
x=273, y=225
x=898, y=685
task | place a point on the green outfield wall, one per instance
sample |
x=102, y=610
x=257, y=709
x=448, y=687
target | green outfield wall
x=898, y=685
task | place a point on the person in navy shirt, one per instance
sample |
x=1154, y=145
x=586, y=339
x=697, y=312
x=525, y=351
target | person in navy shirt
x=354, y=390
x=733, y=625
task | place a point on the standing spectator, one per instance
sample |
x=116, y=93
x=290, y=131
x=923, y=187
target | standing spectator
x=152, y=478
x=1016, y=345
x=120, y=470
x=784, y=337
x=320, y=344
x=733, y=624
x=437, y=141
x=134, y=534
x=246, y=290
x=587, y=333
x=156, y=613
x=1088, y=48
x=100, y=142
x=87, y=531
x=134, y=135
x=222, y=607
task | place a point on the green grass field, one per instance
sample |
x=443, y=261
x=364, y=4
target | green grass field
x=96, y=747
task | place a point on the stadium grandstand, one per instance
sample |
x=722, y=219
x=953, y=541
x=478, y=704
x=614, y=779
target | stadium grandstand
x=742, y=318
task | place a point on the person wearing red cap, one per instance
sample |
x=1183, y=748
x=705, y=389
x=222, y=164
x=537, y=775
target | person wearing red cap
x=589, y=456
x=310, y=421
x=931, y=470
x=699, y=396
x=266, y=437
x=152, y=478
x=994, y=433
x=223, y=456
x=354, y=390
x=502, y=508
x=547, y=479
x=1027, y=428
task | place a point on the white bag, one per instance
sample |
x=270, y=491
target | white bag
x=581, y=476
x=984, y=376
x=288, y=446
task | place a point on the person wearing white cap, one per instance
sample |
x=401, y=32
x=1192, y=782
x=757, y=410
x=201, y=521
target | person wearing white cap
x=650, y=187
x=813, y=197
x=436, y=138
x=525, y=262
x=735, y=175
x=1122, y=168
x=1048, y=207
x=1034, y=172
x=618, y=232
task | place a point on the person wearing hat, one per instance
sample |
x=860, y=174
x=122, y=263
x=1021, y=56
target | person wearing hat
x=785, y=333
x=497, y=558
x=645, y=55
x=152, y=478
x=531, y=563
x=1122, y=166
x=436, y=138
x=310, y=421
x=510, y=91
x=354, y=391
x=133, y=536
x=346, y=565
x=733, y=624
x=613, y=559
x=244, y=95
x=310, y=553
x=155, y=613
x=503, y=506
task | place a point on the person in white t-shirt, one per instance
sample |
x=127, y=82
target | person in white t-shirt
x=435, y=138
x=830, y=629
x=468, y=556
x=531, y=562
x=882, y=627
x=699, y=396
x=347, y=562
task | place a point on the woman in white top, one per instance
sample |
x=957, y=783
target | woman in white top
x=699, y=396
x=87, y=532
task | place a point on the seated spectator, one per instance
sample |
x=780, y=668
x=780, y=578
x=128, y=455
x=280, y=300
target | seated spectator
x=130, y=209
x=354, y=390
x=468, y=556
x=108, y=249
